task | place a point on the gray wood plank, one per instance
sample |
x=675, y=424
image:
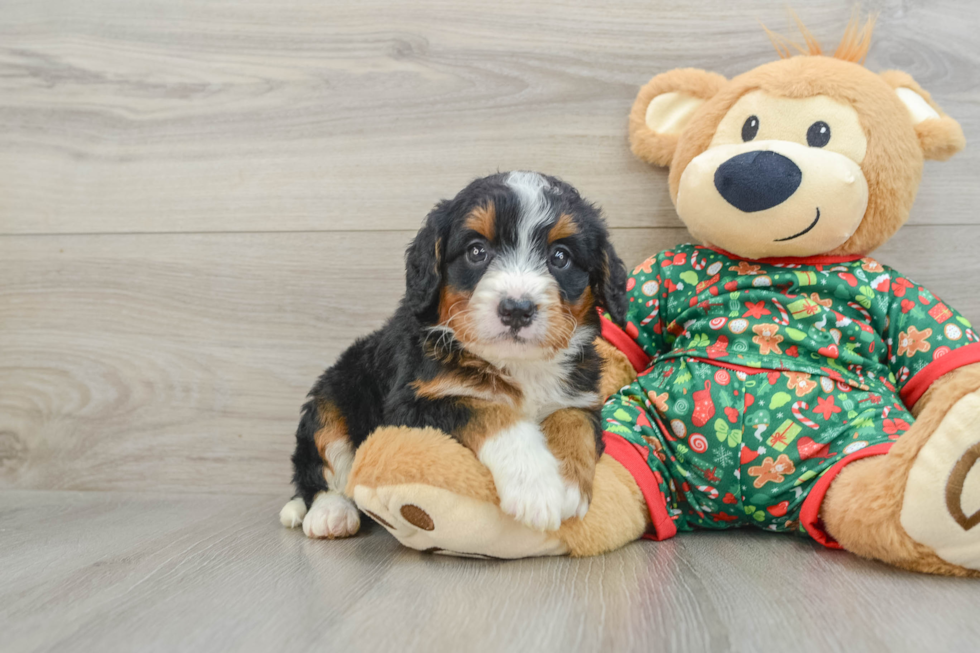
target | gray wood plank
x=151, y=572
x=179, y=362
x=154, y=116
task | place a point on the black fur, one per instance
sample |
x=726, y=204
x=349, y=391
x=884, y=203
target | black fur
x=370, y=385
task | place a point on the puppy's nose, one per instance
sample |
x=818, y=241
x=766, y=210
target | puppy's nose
x=756, y=181
x=516, y=313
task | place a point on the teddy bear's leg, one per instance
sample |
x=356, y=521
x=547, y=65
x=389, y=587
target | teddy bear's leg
x=918, y=507
x=618, y=514
x=433, y=495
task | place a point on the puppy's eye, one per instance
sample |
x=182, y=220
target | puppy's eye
x=750, y=128
x=560, y=258
x=476, y=253
x=818, y=134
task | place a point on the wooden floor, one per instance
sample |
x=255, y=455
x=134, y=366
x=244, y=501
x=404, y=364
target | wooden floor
x=202, y=203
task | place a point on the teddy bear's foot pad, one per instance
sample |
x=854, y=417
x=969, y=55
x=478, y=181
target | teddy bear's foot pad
x=435, y=520
x=941, y=507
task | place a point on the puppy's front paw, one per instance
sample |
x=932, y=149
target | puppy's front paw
x=331, y=516
x=535, y=502
x=529, y=485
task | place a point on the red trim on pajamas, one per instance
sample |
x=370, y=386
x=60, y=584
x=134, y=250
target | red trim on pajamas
x=792, y=260
x=621, y=341
x=918, y=384
x=810, y=512
x=635, y=462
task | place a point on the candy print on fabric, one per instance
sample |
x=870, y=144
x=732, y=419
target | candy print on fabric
x=858, y=321
x=718, y=426
x=912, y=342
x=768, y=338
x=799, y=382
x=764, y=375
x=772, y=471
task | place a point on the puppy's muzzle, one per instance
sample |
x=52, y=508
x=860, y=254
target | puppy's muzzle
x=516, y=313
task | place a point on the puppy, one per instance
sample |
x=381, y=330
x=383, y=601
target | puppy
x=492, y=344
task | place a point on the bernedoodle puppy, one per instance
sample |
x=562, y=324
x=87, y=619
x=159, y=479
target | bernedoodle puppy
x=492, y=344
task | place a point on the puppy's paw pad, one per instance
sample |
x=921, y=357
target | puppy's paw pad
x=331, y=516
x=292, y=513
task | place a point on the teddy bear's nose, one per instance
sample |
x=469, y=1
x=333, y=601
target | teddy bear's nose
x=756, y=181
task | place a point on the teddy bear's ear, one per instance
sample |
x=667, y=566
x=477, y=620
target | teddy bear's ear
x=664, y=107
x=939, y=135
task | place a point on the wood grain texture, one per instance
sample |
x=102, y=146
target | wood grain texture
x=117, y=572
x=203, y=203
x=178, y=362
x=259, y=115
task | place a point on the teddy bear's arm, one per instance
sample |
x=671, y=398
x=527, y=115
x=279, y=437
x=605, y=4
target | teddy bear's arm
x=927, y=338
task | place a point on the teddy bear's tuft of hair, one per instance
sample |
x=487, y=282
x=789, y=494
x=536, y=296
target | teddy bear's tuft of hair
x=853, y=46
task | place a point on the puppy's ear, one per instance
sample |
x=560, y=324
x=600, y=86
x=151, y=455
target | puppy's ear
x=939, y=135
x=664, y=107
x=423, y=264
x=609, y=282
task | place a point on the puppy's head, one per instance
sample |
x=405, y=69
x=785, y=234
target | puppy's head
x=513, y=267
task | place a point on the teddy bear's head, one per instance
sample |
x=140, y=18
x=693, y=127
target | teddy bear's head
x=809, y=154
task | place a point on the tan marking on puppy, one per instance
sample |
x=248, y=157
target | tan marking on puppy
x=454, y=313
x=333, y=427
x=483, y=220
x=486, y=420
x=475, y=383
x=583, y=308
x=617, y=371
x=571, y=438
x=564, y=228
x=561, y=322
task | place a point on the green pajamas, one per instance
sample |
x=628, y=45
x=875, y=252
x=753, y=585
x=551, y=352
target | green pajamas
x=735, y=448
x=760, y=380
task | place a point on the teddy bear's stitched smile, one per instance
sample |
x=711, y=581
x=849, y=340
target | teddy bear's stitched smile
x=805, y=231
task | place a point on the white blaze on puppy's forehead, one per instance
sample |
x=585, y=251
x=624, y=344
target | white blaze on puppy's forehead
x=532, y=190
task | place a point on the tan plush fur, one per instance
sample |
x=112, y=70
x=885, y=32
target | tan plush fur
x=939, y=139
x=618, y=514
x=862, y=509
x=659, y=148
x=896, y=148
x=892, y=165
x=616, y=369
x=399, y=455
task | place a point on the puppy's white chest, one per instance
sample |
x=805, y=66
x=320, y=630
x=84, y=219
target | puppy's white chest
x=544, y=391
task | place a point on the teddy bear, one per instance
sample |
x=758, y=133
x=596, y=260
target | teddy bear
x=774, y=375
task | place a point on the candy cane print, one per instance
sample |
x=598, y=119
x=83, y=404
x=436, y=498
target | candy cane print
x=653, y=313
x=782, y=311
x=860, y=309
x=710, y=491
x=801, y=417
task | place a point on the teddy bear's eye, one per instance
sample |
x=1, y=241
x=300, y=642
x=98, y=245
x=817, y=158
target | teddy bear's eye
x=818, y=134
x=750, y=128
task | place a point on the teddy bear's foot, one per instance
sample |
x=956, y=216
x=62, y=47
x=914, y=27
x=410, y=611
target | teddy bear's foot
x=918, y=506
x=432, y=494
x=436, y=520
x=941, y=506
